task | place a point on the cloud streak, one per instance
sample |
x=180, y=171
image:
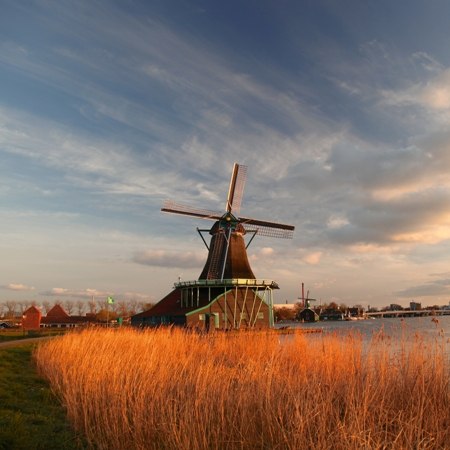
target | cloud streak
x=17, y=287
x=164, y=258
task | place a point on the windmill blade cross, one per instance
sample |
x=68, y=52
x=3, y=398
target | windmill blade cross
x=236, y=189
x=170, y=206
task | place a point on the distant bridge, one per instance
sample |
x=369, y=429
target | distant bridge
x=408, y=313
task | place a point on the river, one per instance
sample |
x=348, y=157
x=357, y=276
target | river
x=426, y=326
x=399, y=330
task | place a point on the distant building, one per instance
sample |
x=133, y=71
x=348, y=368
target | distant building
x=331, y=314
x=57, y=317
x=307, y=315
x=31, y=319
x=356, y=311
x=414, y=306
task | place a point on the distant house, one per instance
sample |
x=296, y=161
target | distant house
x=58, y=318
x=307, y=315
x=331, y=314
x=31, y=318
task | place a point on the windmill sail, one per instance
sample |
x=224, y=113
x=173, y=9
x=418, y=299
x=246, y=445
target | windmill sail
x=227, y=257
x=170, y=206
x=236, y=189
x=270, y=229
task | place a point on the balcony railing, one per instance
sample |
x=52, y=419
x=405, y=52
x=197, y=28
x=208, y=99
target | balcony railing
x=250, y=282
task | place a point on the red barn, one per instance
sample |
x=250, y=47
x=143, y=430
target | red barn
x=31, y=319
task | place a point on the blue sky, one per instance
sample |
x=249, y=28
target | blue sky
x=340, y=110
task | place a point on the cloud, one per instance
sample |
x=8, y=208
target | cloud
x=440, y=286
x=140, y=297
x=312, y=258
x=164, y=258
x=433, y=94
x=83, y=293
x=262, y=254
x=427, y=61
x=96, y=294
x=17, y=287
x=424, y=290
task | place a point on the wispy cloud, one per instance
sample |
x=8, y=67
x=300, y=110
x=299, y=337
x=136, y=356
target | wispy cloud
x=17, y=287
x=96, y=294
x=165, y=258
x=433, y=94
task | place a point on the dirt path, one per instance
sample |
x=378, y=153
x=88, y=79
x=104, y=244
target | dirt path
x=18, y=342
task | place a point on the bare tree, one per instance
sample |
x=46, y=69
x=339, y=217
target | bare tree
x=104, y=304
x=101, y=304
x=132, y=307
x=122, y=308
x=69, y=306
x=23, y=306
x=92, y=306
x=46, y=305
x=11, y=308
x=80, y=307
x=2, y=309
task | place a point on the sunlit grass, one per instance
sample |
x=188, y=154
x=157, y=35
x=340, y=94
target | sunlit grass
x=128, y=389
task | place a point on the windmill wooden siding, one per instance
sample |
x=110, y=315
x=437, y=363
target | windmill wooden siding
x=230, y=310
x=234, y=308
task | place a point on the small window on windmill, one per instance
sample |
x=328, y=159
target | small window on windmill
x=244, y=315
x=201, y=317
x=260, y=315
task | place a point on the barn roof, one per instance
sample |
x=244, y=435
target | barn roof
x=57, y=312
x=58, y=315
x=170, y=305
x=32, y=310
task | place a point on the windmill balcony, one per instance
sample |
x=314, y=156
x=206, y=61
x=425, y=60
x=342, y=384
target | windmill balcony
x=230, y=282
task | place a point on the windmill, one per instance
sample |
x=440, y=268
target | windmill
x=227, y=251
x=226, y=295
x=307, y=314
x=306, y=300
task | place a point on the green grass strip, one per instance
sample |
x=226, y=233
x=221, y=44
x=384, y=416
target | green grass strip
x=30, y=415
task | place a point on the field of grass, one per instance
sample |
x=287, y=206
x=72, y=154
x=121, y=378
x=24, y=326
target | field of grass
x=162, y=389
x=31, y=417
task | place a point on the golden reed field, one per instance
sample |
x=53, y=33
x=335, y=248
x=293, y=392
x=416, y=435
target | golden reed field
x=169, y=389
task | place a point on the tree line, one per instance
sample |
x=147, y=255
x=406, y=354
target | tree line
x=120, y=308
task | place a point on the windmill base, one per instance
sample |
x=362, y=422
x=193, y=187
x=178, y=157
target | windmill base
x=214, y=305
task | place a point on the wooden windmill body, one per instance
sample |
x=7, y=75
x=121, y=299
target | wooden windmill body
x=227, y=294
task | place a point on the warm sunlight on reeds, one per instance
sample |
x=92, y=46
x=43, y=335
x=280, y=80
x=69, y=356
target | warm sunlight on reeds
x=168, y=389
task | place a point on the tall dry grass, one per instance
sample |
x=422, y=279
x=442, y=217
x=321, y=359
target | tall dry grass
x=167, y=389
